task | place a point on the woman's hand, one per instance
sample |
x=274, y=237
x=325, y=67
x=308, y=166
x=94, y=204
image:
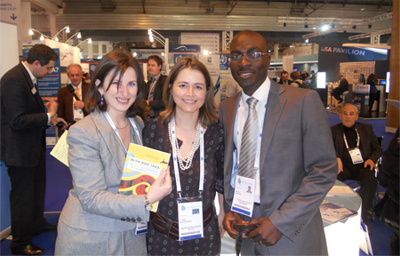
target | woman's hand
x=161, y=187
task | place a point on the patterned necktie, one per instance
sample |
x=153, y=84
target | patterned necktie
x=77, y=92
x=151, y=91
x=249, y=141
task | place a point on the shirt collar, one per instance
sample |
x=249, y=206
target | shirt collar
x=79, y=85
x=261, y=94
x=33, y=78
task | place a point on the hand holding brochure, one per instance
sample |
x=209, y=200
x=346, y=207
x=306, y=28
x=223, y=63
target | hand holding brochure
x=142, y=167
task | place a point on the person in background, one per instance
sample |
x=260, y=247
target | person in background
x=304, y=75
x=71, y=98
x=86, y=77
x=343, y=86
x=260, y=123
x=155, y=85
x=357, y=150
x=96, y=220
x=189, y=130
x=297, y=82
x=226, y=90
x=285, y=78
x=23, y=145
x=389, y=178
x=373, y=91
x=313, y=77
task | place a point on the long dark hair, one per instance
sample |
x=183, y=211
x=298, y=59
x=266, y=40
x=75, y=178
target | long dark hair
x=117, y=62
x=207, y=113
x=371, y=79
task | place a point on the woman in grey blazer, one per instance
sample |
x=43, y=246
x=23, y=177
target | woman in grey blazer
x=96, y=220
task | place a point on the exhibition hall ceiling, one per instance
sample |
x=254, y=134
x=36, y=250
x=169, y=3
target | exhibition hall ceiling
x=128, y=20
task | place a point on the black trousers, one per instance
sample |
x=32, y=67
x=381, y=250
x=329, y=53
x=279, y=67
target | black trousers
x=28, y=188
x=368, y=186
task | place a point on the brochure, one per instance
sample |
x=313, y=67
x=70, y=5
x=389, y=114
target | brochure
x=337, y=191
x=332, y=213
x=142, y=167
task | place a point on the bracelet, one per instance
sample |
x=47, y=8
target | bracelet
x=147, y=204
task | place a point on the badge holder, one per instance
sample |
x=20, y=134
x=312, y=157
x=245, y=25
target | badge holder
x=190, y=217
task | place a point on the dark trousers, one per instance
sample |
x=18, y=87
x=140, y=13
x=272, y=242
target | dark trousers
x=28, y=187
x=368, y=186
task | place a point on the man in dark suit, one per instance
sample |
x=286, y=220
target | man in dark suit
x=155, y=85
x=343, y=86
x=357, y=150
x=294, y=164
x=285, y=78
x=23, y=146
x=71, y=105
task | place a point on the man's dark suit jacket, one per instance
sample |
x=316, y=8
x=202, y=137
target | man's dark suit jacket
x=157, y=104
x=369, y=145
x=289, y=81
x=65, y=102
x=338, y=91
x=23, y=119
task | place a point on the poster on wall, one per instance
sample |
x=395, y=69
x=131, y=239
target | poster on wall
x=48, y=88
x=208, y=41
x=352, y=71
x=225, y=75
x=178, y=51
x=212, y=63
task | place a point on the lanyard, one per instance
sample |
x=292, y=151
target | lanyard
x=358, y=140
x=116, y=130
x=239, y=136
x=176, y=166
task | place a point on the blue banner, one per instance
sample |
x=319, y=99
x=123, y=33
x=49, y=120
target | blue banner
x=184, y=48
x=224, y=63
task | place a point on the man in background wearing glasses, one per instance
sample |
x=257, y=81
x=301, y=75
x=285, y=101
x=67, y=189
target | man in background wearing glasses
x=290, y=161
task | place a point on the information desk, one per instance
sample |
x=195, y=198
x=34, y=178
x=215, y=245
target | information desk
x=342, y=238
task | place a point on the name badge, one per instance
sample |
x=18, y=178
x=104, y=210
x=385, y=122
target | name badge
x=356, y=156
x=141, y=228
x=243, y=199
x=190, y=217
x=78, y=114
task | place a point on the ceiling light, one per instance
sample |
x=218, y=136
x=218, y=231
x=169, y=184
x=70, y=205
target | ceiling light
x=30, y=32
x=79, y=35
x=89, y=41
x=307, y=41
x=325, y=27
x=41, y=38
x=67, y=29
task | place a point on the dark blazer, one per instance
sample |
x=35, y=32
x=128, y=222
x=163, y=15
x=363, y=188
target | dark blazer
x=65, y=102
x=157, y=104
x=23, y=119
x=369, y=145
x=297, y=166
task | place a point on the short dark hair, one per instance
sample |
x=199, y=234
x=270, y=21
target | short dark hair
x=117, y=62
x=284, y=72
x=42, y=53
x=156, y=58
x=207, y=113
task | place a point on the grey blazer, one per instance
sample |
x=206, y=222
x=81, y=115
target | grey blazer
x=297, y=166
x=96, y=160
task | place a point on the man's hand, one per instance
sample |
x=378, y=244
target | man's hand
x=340, y=165
x=369, y=163
x=230, y=219
x=79, y=104
x=266, y=234
x=55, y=120
x=52, y=107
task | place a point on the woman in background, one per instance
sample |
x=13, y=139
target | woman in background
x=373, y=91
x=188, y=126
x=96, y=220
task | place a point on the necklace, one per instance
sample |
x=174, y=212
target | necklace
x=123, y=127
x=185, y=162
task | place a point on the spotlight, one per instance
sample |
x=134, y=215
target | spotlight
x=284, y=24
x=306, y=26
x=307, y=41
x=325, y=27
x=369, y=26
x=354, y=27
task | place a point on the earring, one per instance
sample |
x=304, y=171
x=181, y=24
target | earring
x=102, y=99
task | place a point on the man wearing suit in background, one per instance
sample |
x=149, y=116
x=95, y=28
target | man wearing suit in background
x=285, y=78
x=338, y=91
x=23, y=146
x=71, y=99
x=294, y=165
x=155, y=85
x=357, y=150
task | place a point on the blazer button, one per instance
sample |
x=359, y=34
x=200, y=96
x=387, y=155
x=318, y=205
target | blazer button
x=123, y=219
x=133, y=219
x=128, y=219
x=139, y=219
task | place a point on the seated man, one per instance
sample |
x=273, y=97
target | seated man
x=357, y=150
x=285, y=78
x=338, y=91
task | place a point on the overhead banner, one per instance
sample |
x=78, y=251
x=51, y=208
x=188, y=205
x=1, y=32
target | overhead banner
x=208, y=41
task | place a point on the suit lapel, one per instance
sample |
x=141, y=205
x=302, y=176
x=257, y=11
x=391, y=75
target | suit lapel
x=31, y=86
x=276, y=103
x=111, y=140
